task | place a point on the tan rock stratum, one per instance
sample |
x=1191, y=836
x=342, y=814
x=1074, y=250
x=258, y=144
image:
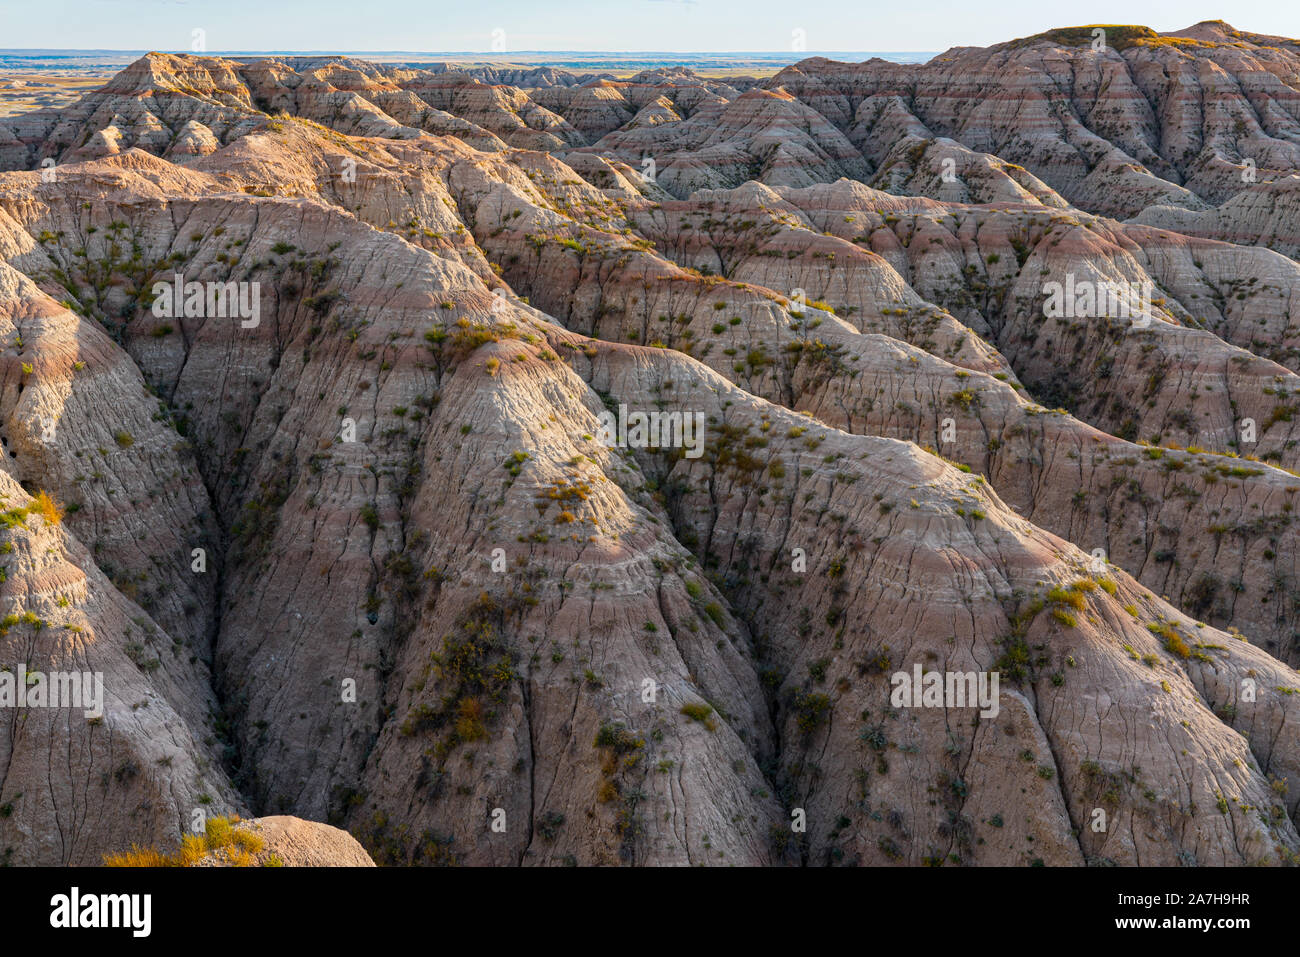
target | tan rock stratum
x=364, y=555
x=283, y=841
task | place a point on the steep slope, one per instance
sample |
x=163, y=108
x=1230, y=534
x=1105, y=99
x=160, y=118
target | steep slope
x=441, y=607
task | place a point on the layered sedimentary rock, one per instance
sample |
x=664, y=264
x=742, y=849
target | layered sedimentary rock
x=281, y=841
x=367, y=554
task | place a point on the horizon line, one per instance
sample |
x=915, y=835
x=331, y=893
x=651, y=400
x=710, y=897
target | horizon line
x=337, y=51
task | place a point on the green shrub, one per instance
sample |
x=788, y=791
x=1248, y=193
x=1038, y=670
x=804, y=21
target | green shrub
x=697, y=711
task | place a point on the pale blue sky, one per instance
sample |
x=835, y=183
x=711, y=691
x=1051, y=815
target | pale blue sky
x=616, y=25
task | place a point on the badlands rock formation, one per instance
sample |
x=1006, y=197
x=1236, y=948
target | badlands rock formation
x=365, y=557
x=281, y=841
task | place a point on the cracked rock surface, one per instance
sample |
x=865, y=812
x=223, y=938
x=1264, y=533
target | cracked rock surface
x=364, y=562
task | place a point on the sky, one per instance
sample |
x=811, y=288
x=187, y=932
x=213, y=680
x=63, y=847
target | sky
x=502, y=26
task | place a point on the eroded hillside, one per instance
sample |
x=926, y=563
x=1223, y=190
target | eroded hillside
x=354, y=547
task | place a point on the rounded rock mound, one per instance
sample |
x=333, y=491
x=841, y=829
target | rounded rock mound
x=290, y=842
x=279, y=841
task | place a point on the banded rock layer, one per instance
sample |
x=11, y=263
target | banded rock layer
x=364, y=558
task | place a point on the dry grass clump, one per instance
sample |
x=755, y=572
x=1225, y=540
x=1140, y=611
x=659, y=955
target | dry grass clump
x=220, y=837
x=47, y=508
